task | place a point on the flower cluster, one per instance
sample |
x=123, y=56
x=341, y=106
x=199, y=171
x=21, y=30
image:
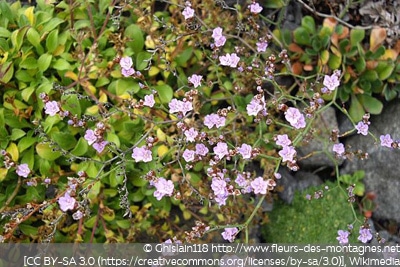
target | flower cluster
x=163, y=188
x=213, y=119
x=179, y=106
x=195, y=80
x=288, y=152
x=230, y=60
x=257, y=106
x=95, y=138
x=68, y=200
x=339, y=149
x=295, y=118
x=219, y=39
x=126, y=66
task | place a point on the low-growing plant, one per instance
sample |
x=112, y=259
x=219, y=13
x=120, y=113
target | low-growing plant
x=133, y=121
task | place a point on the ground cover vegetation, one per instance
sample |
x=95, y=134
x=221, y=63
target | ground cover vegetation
x=138, y=121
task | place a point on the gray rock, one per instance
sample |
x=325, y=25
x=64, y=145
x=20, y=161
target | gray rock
x=382, y=167
x=323, y=126
x=299, y=182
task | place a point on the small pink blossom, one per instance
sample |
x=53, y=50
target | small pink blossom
x=195, y=80
x=339, y=149
x=362, y=128
x=245, y=150
x=262, y=46
x=259, y=186
x=142, y=154
x=77, y=215
x=255, y=106
x=229, y=234
x=188, y=155
x=201, y=150
x=365, y=235
x=90, y=137
x=51, y=108
x=99, y=146
x=221, y=150
x=331, y=82
x=386, y=140
x=128, y=72
x=163, y=188
x=126, y=62
x=230, y=60
x=188, y=12
x=191, y=134
x=23, y=170
x=149, y=100
x=66, y=202
x=343, y=237
x=218, y=186
x=283, y=140
x=255, y=8
x=287, y=153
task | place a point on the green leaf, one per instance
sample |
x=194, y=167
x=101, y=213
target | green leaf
x=7, y=72
x=356, y=110
x=33, y=37
x=124, y=224
x=29, y=63
x=64, y=140
x=370, y=75
x=183, y=57
x=126, y=85
x=356, y=36
x=274, y=4
x=384, y=70
x=80, y=148
x=4, y=32
x=17, y=134
x=27, y=93
x=28, y=230
x=52, y=24
x=138, y=181
x=46, y=152
x=142, y=60
x=44, y=62
x=94, y=191
x=165, y=92
x=135, y=34
x=308, y=23
x=62, y=64
x=334, y=62
x=52, y=41
x=371, y=104
x=72, y=104
x=360, y=64
x=26, y=142
x=301, y=36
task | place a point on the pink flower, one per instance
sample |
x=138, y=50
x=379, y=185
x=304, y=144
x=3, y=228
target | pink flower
x=180, y=106
x=221, y=150
x=255, y=106
x=149, y=100
x=66, y=202
x=188, y=155
x=99, y=146
x=90, y=136
x=195, y=80
x=362, y=128
x=188, y=12
x=77, y=215
x=262, y=46
x=230, y=60
x=127, y=72
x=331, y=82
x=245, y=150
x=365, y=235
x=142, y=154
x=163, y=188
x=386, y=140
x=295, y=118
x=51, y=108
x=219, y=39
x=191, y=134
x=287, y=153
x=255, y=8
x=201, y=150
x=229, y=234
x=343, y=237
x=126, y=62
x=338, y=149
x=259, y=186
x=283, y=140
x=212, y=120
x=218, y=186
x=23, y=170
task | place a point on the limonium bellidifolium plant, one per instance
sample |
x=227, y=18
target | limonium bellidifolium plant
x=149, y=119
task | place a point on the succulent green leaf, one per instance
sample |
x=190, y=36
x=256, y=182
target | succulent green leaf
x=302, y=36
x=165, y=92
x=135, y=34
x=309, y=24
x=371, y=104
x=356, y=36
x=356, y=110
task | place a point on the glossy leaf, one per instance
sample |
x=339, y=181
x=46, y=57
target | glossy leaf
x=301, y=36
x=356, y=36
x=46, y=152
x=356, y=110
x=371, y=104
x=165, y=92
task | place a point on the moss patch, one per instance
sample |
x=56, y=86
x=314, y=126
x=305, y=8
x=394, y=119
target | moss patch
x=312, y=221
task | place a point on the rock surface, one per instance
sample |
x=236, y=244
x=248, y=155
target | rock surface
x=382, y=174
